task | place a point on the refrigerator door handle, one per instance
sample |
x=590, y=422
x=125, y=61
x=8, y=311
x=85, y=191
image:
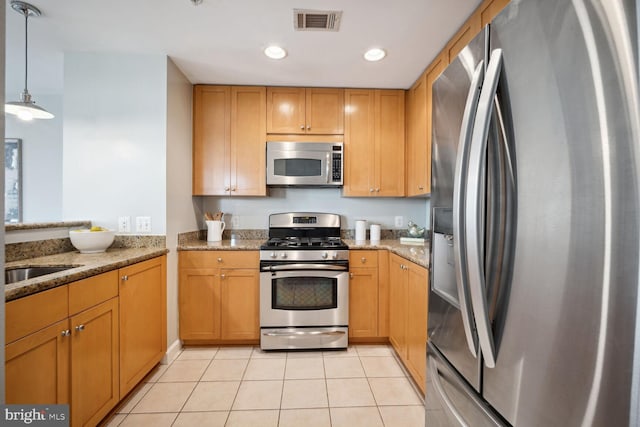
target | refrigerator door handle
x=435, y=380
x=459, y=191
x=473, y=208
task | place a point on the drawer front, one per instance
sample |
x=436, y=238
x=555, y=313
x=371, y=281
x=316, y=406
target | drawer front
x=92, y=291
x=363, y=258
x=219, y=259
x=30, y=314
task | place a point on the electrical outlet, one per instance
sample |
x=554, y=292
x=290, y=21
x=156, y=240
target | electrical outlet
x=235, y=221
x=124, y=224
x=399, y=222
x=143, y=224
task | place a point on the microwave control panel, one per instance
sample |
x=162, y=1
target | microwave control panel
x=336, y=166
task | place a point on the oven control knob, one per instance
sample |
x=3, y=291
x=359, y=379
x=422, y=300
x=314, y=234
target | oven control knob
x=284, y=255
x=335, y=255
x=273, y=255
x=325, y=255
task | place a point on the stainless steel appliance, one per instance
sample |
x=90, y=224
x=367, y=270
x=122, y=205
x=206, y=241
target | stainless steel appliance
x=304, y=283
x=535, y=221
x=308, y=164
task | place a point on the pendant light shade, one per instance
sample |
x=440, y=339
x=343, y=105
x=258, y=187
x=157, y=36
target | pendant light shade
x=26, y=108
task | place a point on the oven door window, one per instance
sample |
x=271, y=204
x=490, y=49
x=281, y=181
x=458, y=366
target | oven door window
x=304, y=293
x=297, y=167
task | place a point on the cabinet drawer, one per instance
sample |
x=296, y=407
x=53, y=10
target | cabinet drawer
x=29, y=314
x=92, y=291
x=219, y=259
x=363, y=259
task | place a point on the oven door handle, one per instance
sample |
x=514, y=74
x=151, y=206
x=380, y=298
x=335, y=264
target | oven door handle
x=305, y=267
x=300, y=333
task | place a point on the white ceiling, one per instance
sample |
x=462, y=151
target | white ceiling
x=221, y=41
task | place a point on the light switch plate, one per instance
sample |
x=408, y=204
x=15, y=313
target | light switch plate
x=124, y=224
x=143, y=224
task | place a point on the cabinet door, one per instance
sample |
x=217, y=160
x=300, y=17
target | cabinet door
x=211, y=140
x=240, y=309
x=418, y=148
x=363, y=302
x=389, y=143
x=358, y=143
x=417, y=294
x=436, y=68
x=465, y=34
x=324, y=111
x=199, y=304
x=143, y=320
x=398, y=304
x=94, y=363
x=286, y=110
x=37, y=367
x=248, y=141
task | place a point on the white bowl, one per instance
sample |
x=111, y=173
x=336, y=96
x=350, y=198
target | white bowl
x=91, y=242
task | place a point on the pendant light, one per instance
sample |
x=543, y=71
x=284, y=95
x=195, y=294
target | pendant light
x=26, y=108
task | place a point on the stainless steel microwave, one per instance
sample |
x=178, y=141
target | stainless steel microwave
x=307, y=164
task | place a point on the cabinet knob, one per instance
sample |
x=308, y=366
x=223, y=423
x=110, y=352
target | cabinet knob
x=308, y=127
x=219, y=259
x=222, y=276
x=125, y=278
x=371, y=190
x=420, y=187
x=302, y=127
x=377, y=190
x=363, y=260
x=80, y=328
x=233, y=188
x=351, y=275
x=226, y=188
x=66, y=333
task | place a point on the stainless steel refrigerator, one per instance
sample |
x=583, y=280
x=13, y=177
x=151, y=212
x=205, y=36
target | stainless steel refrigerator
x=535, y=216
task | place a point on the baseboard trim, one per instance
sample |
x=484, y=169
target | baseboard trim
x=172, y=352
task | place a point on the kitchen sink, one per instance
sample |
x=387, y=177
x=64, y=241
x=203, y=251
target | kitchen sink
x=12, y=275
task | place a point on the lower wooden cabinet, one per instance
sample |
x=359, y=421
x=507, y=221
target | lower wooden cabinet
x=408, y=315
x=94, y=363
x=363, y=294
x=37, y=366
x=143, y=320
x=73, y=343
x=219, y=296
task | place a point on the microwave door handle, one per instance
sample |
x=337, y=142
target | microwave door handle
x=328, y=168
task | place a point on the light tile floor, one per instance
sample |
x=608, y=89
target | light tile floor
x=364, y=385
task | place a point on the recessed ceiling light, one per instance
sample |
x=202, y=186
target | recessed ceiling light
x=375, y=54
x=275, y=52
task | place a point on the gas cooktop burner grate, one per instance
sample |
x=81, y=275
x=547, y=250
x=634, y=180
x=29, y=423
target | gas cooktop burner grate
x=304, y=242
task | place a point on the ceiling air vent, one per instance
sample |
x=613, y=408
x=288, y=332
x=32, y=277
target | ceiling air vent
x=316, y=20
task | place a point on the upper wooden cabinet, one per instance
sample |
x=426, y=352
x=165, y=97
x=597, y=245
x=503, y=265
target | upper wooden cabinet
x=489, y=9
x=295, y=110
x=229, y=134
x=374, y=143
x=418, y=147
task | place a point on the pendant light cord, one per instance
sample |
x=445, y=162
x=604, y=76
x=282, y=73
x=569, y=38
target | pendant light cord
x=26, y=33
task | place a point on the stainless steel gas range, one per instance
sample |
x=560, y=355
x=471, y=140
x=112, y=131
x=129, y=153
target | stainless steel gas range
x=304, y=283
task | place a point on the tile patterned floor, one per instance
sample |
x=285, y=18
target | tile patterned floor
x=243, y=386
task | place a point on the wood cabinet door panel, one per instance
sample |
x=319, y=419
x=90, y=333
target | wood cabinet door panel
x=397, y=304
x=37, y=367
x=94, y=363
x=240, y=304
x=29, y=314
x=199, y=304
x=143, y=320
x=248, y=139
x=286, y=110
x=417, y=323
x=324, y=111
x=490, y=9
x=418, y=149
x=359, y=143
x=389, y=143
x=94, y=290
x=211, y=140
x=363, y=302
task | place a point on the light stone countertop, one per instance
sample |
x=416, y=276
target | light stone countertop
x=85, y=265
x=414, y=253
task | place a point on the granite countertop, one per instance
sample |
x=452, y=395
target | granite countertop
x=417, y=254
x=85, y=265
